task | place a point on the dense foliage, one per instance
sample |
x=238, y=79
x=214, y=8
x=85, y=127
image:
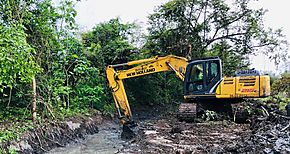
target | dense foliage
x=282, y=85
x=281, y=90
x=17, y=62
x=40, y=40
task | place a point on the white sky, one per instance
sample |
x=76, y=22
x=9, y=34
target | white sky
x=276, y=17
x=91, y=12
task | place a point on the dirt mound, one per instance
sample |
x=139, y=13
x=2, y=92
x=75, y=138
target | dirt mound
x=52, y=134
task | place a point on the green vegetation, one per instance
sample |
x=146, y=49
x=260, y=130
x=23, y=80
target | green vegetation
x=40, y=40
x=14, y=131
x=281, y=90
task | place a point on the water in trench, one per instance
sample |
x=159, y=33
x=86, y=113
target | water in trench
x=107, y=141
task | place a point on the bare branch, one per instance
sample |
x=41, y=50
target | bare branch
x=262, y=45
x=228, y=23
x=196, y=19
x=223, y=37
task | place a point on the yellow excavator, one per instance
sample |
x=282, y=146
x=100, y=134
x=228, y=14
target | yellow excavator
x=202, y=78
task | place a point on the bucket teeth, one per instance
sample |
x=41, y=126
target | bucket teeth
x=187, y=112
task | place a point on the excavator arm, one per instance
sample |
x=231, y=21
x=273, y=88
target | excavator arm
x=116, y=75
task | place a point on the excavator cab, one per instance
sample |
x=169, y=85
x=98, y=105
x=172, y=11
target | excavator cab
x=202, y=77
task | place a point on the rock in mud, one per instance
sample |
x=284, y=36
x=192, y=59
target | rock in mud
x=72, y=125
x=176, y=129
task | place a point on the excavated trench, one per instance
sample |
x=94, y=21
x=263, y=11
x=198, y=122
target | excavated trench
x=164, y=134
x=158, y=132
x=106, y=141
x=268, y=132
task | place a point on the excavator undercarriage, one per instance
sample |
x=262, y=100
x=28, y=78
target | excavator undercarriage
x=223, y=110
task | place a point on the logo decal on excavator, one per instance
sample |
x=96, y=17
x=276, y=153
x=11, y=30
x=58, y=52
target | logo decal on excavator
x=142, y=71
x=248, y=90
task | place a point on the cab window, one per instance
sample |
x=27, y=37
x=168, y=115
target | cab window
x=196, y=77
x=212, y=71
x=202, y=76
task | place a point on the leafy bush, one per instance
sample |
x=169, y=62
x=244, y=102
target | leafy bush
x=282, y=85
x=281, y=90
x=16, y=61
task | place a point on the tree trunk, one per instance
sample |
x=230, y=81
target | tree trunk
x=33, y=103
x=10, y=95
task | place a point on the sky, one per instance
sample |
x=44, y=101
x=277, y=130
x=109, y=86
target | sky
x=92, y=12
x=276, y=17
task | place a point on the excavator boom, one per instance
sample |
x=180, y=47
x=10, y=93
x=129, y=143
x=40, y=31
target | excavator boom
x=139, y=68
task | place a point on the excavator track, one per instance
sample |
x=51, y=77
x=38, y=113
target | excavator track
x=187, y=112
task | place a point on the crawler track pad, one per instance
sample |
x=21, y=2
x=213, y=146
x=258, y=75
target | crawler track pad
x=187, y=112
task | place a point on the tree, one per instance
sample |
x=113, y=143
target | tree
x=108, y=43
x=50, y=31
x=16, y=63
x=200, y=28
x=229, y=29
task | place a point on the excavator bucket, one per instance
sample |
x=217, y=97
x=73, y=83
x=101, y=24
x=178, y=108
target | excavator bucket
x=187, y=112
x=129, y=131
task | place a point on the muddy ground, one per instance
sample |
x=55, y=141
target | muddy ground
x=167, y=135
x=266, y=131
x=50, y=134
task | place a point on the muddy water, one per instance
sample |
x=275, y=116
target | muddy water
x=107, y=141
